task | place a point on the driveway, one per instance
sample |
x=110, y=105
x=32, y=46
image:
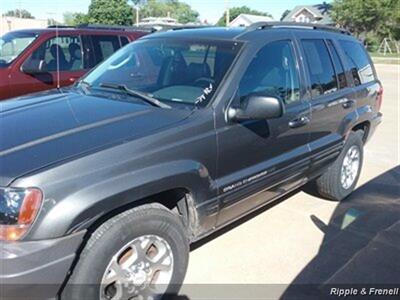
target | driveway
x=307, y=240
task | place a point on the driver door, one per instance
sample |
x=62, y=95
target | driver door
x=261, y=159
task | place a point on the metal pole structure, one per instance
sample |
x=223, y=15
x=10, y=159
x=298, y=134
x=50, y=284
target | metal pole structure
x=137, y=16
x=19, y=9
x=227, y=13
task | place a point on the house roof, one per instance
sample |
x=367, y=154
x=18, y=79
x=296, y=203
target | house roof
x=317, y=10
x=252, y=18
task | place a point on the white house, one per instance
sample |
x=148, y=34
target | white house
x=245, y=20
x=12, y=23
x=162, y=22
x=319, y=13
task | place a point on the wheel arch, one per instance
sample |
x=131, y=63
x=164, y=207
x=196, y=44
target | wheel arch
x=177, y=185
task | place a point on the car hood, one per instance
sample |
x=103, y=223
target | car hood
x=39, y=130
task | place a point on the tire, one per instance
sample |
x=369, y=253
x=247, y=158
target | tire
x=144, y=224
x=329, y=185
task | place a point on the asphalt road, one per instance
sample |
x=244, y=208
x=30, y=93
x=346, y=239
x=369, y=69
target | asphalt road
x=304, y=239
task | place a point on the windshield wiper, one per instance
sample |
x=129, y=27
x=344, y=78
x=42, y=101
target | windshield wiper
x=144, y=97
x=84, y=85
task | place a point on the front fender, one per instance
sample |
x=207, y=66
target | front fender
x=82, y=208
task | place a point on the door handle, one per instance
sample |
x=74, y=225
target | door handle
x=348, y=104
x=299, y=122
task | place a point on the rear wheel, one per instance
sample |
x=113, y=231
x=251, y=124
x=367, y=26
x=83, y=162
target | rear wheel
x=340, y=179
x=139, y=254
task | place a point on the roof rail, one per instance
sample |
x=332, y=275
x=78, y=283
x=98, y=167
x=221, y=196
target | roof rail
x=112, y=27
x=189, y=27
x=104, y=27
x=264, y=25
x=60, y=26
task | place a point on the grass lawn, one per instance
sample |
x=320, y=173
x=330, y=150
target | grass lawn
x=376, y=54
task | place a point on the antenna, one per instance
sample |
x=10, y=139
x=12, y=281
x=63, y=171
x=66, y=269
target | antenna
x=55, y=25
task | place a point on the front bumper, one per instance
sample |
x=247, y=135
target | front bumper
x=36, y=269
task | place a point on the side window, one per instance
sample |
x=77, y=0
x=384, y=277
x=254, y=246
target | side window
x=357, y=58
x=338, y=65
x=273, y=72
x=322, y=73
x=104, y=46
x=123, y=40
x=67, y=49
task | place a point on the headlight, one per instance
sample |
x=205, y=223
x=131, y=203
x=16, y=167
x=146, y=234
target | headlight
x=18, y=210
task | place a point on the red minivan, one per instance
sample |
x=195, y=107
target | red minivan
x=33, y=60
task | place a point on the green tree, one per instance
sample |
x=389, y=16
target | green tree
x=176, y=9
x=19, y=13
x=362, y=17
x=110, y=12
x=234, y=12
x=73, y=19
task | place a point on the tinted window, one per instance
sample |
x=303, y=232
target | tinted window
x=357, y=58
x=273, y=72
x=62, y=53
x=104, y=46
x=322, y=74
x=173, y=70
x=202, y=55
x=12, y=44
x=124, y=40
x=338, y=65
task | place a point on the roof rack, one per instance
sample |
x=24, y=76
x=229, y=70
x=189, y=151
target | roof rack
x=190, y=27
x=60, y=26
x=103, y=27
x=112, y=27
x=264, y=25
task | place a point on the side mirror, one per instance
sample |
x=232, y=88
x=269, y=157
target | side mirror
x=258, y=107
x=34, y=67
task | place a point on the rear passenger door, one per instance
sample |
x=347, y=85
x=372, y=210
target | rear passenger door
x=330, y=96
x=366, y=87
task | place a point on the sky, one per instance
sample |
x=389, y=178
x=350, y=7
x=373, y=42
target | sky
x=210, y=10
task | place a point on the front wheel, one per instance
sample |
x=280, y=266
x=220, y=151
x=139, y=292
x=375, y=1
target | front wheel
x=340, y=179
x=140, y=254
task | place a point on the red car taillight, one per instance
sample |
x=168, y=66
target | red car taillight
x=18, y=210
x=379, y=98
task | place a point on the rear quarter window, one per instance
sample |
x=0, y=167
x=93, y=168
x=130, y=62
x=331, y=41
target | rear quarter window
x=104, y=46
x=358, y=60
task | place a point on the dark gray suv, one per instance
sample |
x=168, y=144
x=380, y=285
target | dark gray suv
x=106, y=184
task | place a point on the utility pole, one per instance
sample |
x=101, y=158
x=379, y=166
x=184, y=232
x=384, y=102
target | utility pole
x=19, y=9
x=137, y=15
x=227, y=13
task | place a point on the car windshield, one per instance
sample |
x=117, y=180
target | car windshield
x=12, y=44
x=171, y=70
